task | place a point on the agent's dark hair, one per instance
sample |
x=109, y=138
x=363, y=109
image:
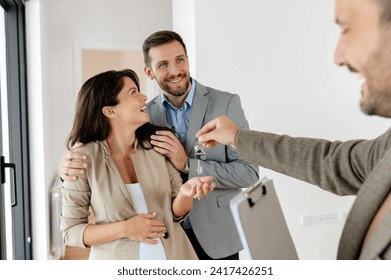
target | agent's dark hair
x=160, y=38
x=385, y=13
x=101, y=90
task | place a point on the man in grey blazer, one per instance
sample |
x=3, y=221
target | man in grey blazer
x=187, y=105
x=356, y=167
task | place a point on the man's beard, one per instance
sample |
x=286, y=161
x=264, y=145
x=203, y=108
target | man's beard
x=370, y=106
x=177, y=93
x=378, y=79
x=378, y=101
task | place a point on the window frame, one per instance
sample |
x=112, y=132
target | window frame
x=15, y=33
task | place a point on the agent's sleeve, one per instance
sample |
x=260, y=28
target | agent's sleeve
x=338, y=167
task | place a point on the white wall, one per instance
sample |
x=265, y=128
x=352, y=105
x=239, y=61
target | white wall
x=54, y=28
x=183, y=22
x=278, y=56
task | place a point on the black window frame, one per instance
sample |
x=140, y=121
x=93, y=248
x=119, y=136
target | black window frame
x=15, y=33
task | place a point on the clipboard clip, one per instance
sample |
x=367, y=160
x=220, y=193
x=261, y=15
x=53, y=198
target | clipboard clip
x=252, y=196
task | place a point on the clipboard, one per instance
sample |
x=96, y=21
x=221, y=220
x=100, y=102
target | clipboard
x=261, y=223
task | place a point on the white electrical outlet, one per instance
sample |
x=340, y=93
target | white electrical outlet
x=325, y=218
x=308, y=219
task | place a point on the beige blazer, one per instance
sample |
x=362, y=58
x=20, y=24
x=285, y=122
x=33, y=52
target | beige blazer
x=102, y=188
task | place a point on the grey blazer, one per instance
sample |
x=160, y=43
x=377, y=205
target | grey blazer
x=102, y=188
x=211, y=218
x=356, y=167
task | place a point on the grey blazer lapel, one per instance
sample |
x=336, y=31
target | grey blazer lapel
x=198, y=111
x=157, y=113
x=371, y=195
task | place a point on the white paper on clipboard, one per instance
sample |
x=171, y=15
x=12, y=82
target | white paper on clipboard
x=261, y=223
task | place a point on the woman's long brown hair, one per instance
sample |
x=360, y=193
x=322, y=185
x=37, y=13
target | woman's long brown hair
x=97, y=92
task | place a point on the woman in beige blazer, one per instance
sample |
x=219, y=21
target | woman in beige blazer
x=136, y=195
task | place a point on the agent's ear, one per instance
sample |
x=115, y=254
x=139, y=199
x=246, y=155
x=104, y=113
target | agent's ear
x=108, y=111
x=149, y=73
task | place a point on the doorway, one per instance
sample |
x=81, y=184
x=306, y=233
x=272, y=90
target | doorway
x=91, y=58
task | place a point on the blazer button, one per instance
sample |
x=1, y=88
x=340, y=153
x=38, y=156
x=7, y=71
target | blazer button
x=166, y=235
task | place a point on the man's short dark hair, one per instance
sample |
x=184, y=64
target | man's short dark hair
x=160, y=38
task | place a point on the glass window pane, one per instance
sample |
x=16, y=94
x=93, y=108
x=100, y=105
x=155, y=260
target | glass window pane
x=4, y=135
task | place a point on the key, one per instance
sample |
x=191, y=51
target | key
x=199, y=154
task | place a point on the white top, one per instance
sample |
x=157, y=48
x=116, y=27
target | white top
x=146, y=251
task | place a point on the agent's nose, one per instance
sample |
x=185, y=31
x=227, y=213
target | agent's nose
x=340, y=52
